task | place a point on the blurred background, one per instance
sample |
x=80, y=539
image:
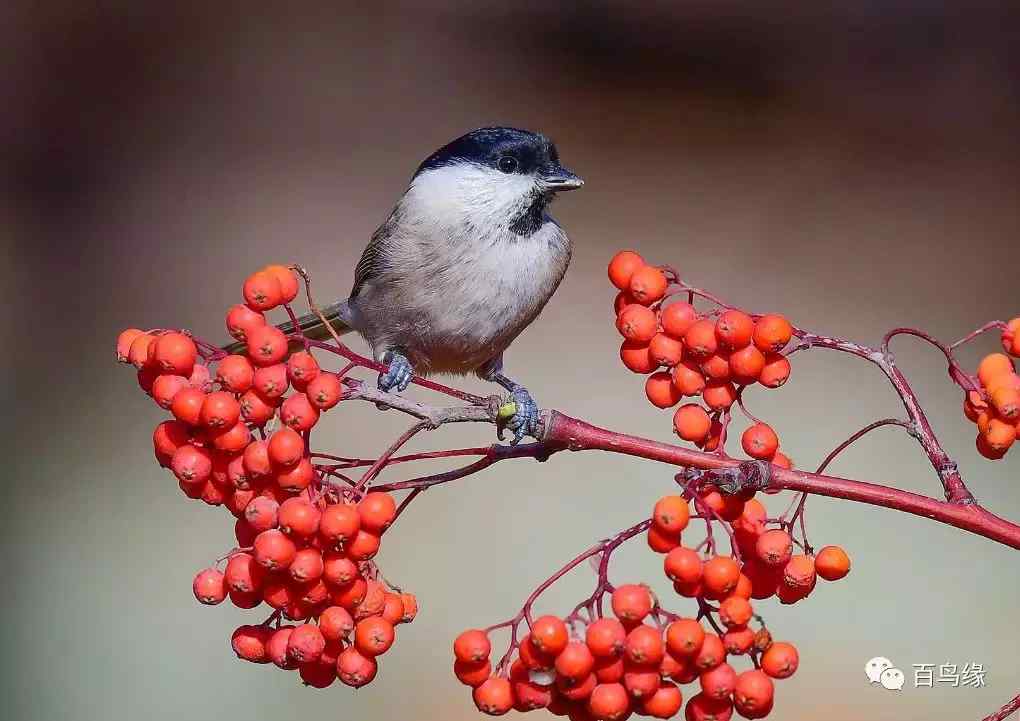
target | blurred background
x=853, y=166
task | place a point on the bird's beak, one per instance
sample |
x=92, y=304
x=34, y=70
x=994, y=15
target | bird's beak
x=557, y=178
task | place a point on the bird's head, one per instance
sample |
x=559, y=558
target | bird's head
x=491, y=179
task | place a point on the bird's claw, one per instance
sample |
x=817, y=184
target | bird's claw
x=525, y=418
x=398, y=376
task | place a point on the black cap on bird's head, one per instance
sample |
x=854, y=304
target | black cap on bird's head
x=508, y=150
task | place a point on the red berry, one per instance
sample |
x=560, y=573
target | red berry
x=703, y=708
x=167, y=438
x=606, y=637
x=832, y=563
x=235, y=373
x=735, y=611
x=354, y=669
x=575, y=661
x=220, y=410
x=273, y=550
x=138, y=351
x=302, y=368
x=622, y=268
x=772, y=333
x=472, y=646
x=644, y=645
x=335, y=623
x=780, y=660
x=637, y=323
x=276, y=648
x=637, y=357
x=255, y=409
x=267, y=345
x=549, y=635
x=249, y=643
x=271, y=381
x=700, y=340
x=307, y=566
x=677, y=318
x=746, y=365
x=243, y=574
x=339, y=522
x=286, y=447
x=338, y=569
x=753, y=694
x=647, y=285
x=684, y=638
x=241, y=320
x=296, y=479
x=324, y=391
x=494, y=697
x=377, y=511
x=191, y=464
x=261, y=513
x=234, y=439
x=288, y=281
x=775, y=372
x=363, y=546
x=373, y=636
x=718, y=682
x=209, y=587
x=298, y=518
x=631, y=603
x=187, y=406
x=317, y=674
x=305, y=644
x=165, y=387
x=124, y=341
x=734, y=329
x=262, y=291
x=609, y=702
x=175, y=353
x=760, y=441
x=671, y=514
x=665, y=702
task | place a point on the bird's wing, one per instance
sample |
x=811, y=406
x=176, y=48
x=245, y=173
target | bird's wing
x=373, y=259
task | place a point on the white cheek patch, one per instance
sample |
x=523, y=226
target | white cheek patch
x=468, y=194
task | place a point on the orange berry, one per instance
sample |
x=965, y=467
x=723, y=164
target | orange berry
x=720, y=575
x=494, y=697
x=138, y=351
x=621, y=301
x=286, y=447
x=267, y=345
x=753, y=694
x=671, y=514
x=684, y=638
x=711, y=654
x=735, y=611
x=175, y=353
x=664, y=703
x=986, y=450
x=1011, y=337
x=734, y=329
x=472, y=646
x=287, y=279
x=691, y=422
x=648, y=284
x=644, y=645
x=699, y=340
x=738, y=640
x=973, y=405
x=373, y=636
x=832, y=563
x=799, y=573
x=780, y=660
x=631, y=603
x=609, y=702
x=549, y=634
x=220, y=410
x=235, y=373
x=665, y=350
x=760, y=441
x=683, y=565
x=992, y=366
x=637, y=323
x=688, y=379
x=661, y=541
x=676, y=318
x=637, y=357
x=472, y=674
x=622, y=267
x=775, y=372
x=747, y=365
x=660, y=390
x=241, y=320
x=262, y=291
x=774, y=548
x=718, y=682
x=1006, y=399
x=772, y=333
x=719, y=395
x=377, y=511
x=999, y=435
x=641, y=681
x=783, y=461
x=717, y=366
x=727, y=507
x=606, y=638
x=575, y=661
x=124, y=341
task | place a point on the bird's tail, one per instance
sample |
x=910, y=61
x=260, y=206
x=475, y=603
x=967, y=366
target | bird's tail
x=338, y=315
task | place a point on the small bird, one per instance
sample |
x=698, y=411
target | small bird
x=467, y=259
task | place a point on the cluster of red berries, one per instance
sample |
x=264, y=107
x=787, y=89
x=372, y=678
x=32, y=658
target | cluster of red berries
x=612, y=667
x=711, y=356
x=996, y=407
x=302, y=550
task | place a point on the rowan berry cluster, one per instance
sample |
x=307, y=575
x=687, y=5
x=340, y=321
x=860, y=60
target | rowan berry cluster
x=605, y=669
x=304, y=548
x=714, y=355
x=996, y=407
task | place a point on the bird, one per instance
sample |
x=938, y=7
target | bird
x=466, y=260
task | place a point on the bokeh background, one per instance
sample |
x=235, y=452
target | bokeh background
x=852, y=165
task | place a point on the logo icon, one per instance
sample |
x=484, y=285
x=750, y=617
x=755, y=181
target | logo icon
x=881, y=670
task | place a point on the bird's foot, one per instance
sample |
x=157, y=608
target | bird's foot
x=398, y=376
x=524, y=420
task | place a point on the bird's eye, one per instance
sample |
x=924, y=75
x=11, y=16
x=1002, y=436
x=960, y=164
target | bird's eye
x=507, y=163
